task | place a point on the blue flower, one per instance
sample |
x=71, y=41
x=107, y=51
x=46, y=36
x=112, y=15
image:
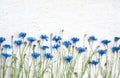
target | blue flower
x=22, y=34
x=34, y=45
x=44, y=37
x=56, y=46
x=44, y=47
x=67, y=43
x=7, y=46
x=105, y=42
x=6, y=55
x=95, y=62
x=80, y=49
x=116, y=38
x=56, y=38
x=92, y=38
x=35, y=54
x=101, y=52
x=31, y=39
x=18, y=42
x=75, y=39
x=115, y=48
x=48, y=55
x=68, y=58
x=2, y=39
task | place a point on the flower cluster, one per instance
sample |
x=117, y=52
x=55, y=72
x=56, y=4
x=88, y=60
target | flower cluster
x=59, y=58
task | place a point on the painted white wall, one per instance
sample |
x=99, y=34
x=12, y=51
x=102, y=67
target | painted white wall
x=76, y=17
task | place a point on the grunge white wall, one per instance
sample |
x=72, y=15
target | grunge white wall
x=76, y=17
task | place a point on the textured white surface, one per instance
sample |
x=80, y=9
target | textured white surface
x=77, y=17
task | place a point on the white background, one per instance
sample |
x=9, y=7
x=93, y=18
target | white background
x=77, y=17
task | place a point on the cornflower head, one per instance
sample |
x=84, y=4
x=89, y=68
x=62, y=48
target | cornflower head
x=56, y=38
x=7, y=46
x=67, y=43
x=48, y=55
x=105, y=42
x=68, y=58
x=18, y=42
x=2, y=39
x=35, y=54
x=6, y=55
x=75, y=39
x=56, y=46
x=44, y=37
x=22, y=34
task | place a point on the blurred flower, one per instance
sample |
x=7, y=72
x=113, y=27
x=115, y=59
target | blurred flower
x=56, y=46
x=22, y=34
x=116, y=38
x=95, y=62
x=101, y=52
x=92, y=38
x=34, y=45
x=105, y=42
x=44, y=47
x=2, y=39
x=18, y=42
x=35, y=54
x=48, y=55
x=115, y=48
x=31, y=39
x=67, y=43
x=75, y=39
x=7, y=46
x=68, y=58
x=80, y=49
x=56, y=38
x=6, y=55
x=44, y=37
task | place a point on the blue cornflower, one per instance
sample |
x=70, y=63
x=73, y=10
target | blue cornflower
x=95, y=62
x=31, y=39
x=56, y=46
x=7, y=46
x=75, y=39
x=34, y=45
x=48, y=55
x=2, y=39
x=115, y=48
x=35, y=54
x=67, y=43
x=56, y=38
x=44, y=37
x=6, y=55
x=81, y=49
x=116, y=38
x=44, y=47
x=18, y=42
x=68, y=58
x=22, y=34
x=92, y=38
x=101, y=52
x=105, y=42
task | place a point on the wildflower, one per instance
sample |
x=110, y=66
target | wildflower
x=35, y=54
x=44, y=37
x=7, y=46
x=95, y=62
x=80, y=49
x=44, y=47
x=101, y=52
x=2, y=39
x=56, y=46
x=56, y=38
x=92, y=38
x=34, y=45
x=67, y=43
x=6, y=55
x=105, y=42
x=116, y=38
x=18, y=42
x=22, y=34
x=75, y=39
x=115, y=48
x=31, y=39
x=68, y=58
x=48, y=55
